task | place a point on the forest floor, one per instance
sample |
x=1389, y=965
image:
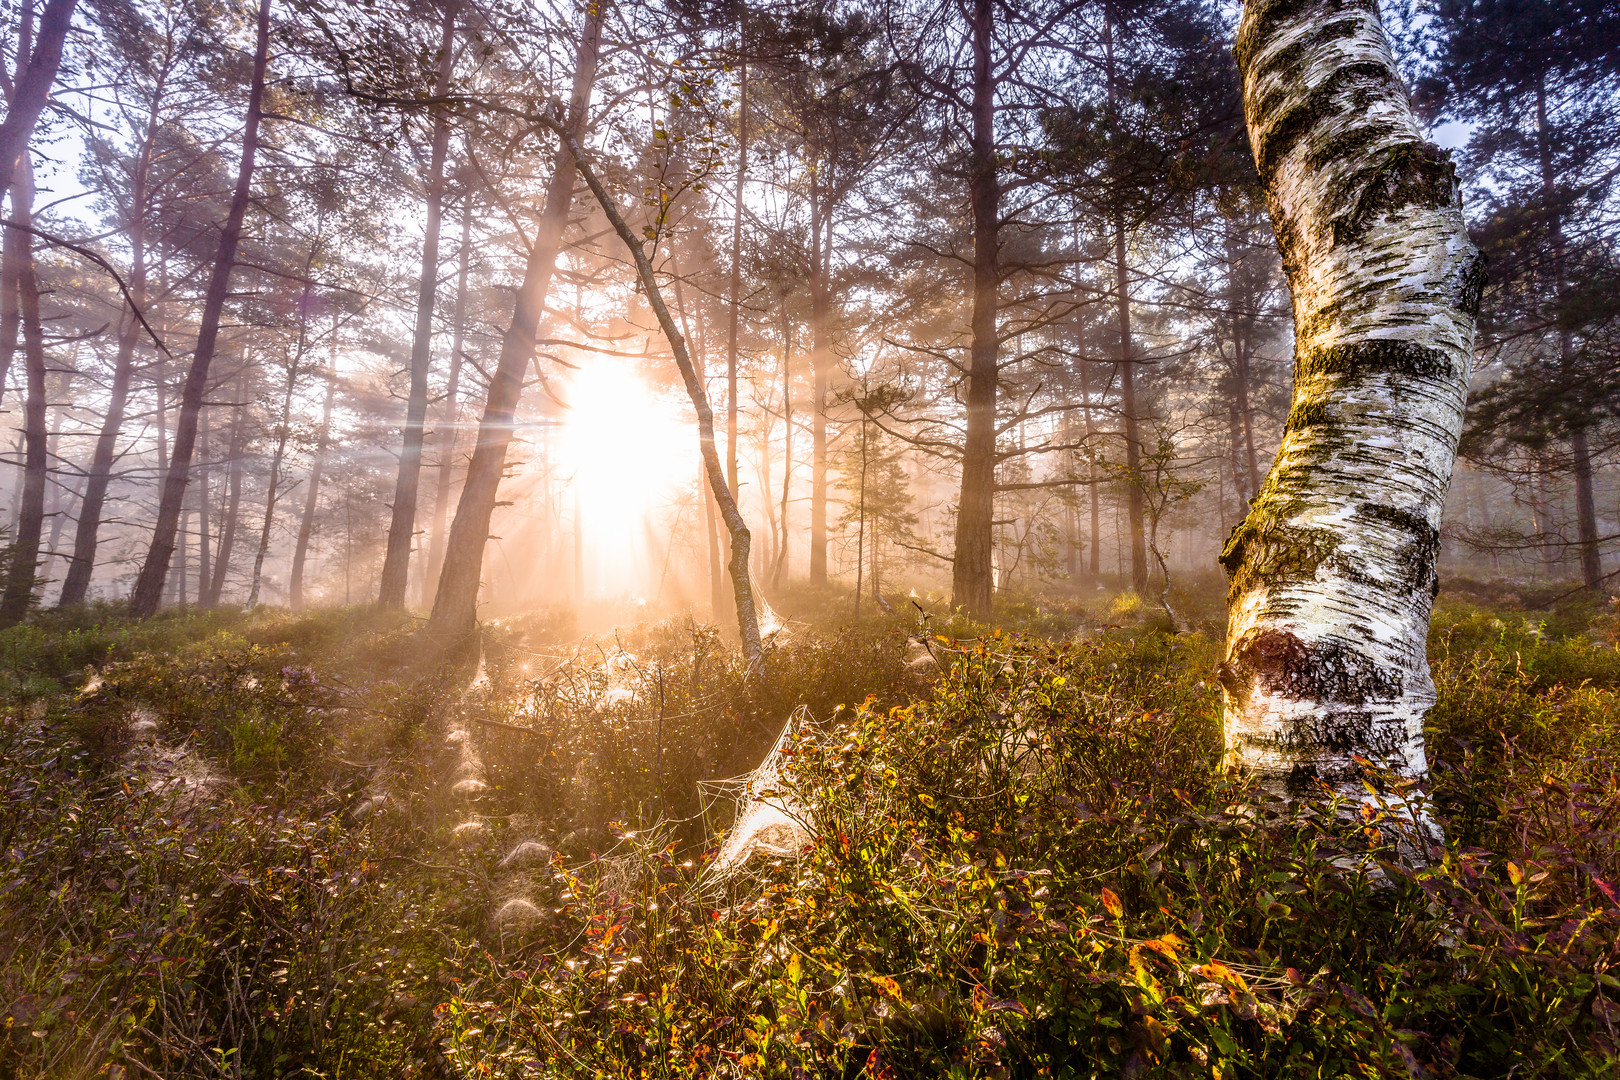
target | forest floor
x=319, y=845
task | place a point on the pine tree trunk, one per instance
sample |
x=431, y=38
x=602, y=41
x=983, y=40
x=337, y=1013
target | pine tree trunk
x=1131, y=419
x=87, y=536
x=736, y=281
x=455, y=606
x=233, y=508
x=1333, y=571
x=205, y=565
x=62, y=491
x=306, y=524
x=402, y=527
x=820, y=366
x=283, y=431
x=1579, y=445
x=12, y=251
x=452, y=412
x=18, y=597
x=780, y=569
x=33, y=85
x=973, y=573
x=149, y=584
x=736, y=528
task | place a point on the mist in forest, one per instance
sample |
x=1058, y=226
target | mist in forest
x=290, y=271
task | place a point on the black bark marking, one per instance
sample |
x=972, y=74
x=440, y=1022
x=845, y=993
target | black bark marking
x=1470, y=284
x=1381, y=356
x=1297, y=120
x=1263, y=550
x=1416, y=557
x=1266, y=18
x=1413, y=173
x=1280, y=663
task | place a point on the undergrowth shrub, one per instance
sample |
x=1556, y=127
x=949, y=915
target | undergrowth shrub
x=1035, y=871
x=633, y=732
x=140, y=937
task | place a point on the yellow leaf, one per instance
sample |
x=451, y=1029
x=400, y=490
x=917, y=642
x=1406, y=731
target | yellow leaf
x=1214, y=969
x=1515, y=875
x=887, y=985
x=1111, y=903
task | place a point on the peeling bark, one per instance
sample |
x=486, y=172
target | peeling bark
x=1333, y=571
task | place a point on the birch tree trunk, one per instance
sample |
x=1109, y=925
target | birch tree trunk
x=1333, y=571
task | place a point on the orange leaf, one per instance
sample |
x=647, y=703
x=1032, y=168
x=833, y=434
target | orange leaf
x=1111, y=903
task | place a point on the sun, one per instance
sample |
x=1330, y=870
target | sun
x=630, y=455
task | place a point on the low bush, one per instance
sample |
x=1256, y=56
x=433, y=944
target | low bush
x=1036, y=872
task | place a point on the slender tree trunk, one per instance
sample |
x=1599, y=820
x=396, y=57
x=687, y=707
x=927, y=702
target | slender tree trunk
x=820, y=368
x=19, y=592
x=1131, y=417
x=717, y=589
x=1246, y=412
x=1579, y=446
x=736, y=280
x=33, y=83
x=736, y=527
x=452, y=412
x=233, y=508
x=149, y=584
x=205, y=566
x=1234, y=434
x=283, y=431
x=177, y=583
x=780, y=569
x=402, y=527
x=1333, y=571
x=306, y=525
x=455, y=606
x=61, y=493
x=13, y=249
x=86, y=538
x=973, y=572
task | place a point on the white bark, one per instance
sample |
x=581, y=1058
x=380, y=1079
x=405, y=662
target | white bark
x=1333, y=571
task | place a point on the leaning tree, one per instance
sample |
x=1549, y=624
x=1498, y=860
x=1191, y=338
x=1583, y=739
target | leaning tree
x=1333, y=571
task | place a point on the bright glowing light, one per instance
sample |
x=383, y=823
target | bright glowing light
x=630, y=452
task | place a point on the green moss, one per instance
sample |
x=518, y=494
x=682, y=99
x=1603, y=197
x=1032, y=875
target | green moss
x=1307, y=414
x=1265, y=549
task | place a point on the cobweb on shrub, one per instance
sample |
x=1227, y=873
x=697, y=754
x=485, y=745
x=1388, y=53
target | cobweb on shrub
x=769, y=821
